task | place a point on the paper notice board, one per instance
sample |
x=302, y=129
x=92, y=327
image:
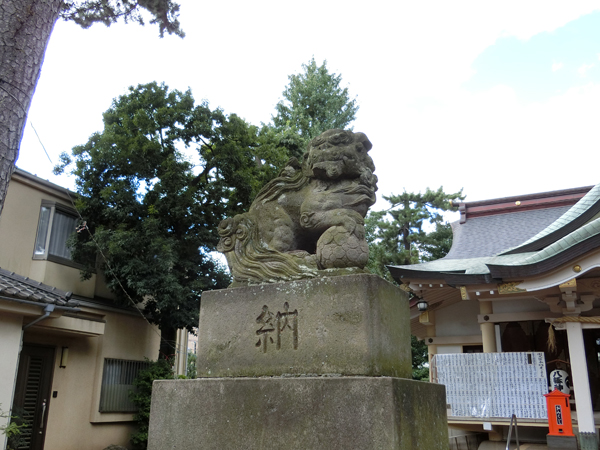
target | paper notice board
x=493, y=384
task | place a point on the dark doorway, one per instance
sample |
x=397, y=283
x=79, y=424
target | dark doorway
x=472, y=348
x=32, y=394
x=591, y=339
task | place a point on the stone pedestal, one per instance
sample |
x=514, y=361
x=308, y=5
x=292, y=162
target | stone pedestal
x=349, y=325
x=587, y=441
x=312, y=413
x=563, y=443
x=313, y=364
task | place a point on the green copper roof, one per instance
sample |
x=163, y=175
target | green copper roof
x=471, y=266
x=566, y=238
x=513, y=264
x=583, y=210
x=576, y=237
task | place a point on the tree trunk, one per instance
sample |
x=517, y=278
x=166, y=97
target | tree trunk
x=25, y=28
x=168, y=343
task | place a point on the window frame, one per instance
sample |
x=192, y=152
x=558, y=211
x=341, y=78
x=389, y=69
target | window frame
x=135, y=366
x=54, y=207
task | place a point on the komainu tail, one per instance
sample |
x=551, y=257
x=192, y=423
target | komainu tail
x=251, y=262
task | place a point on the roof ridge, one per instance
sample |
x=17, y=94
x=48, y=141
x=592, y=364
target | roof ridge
x=577, y=236
x=571, y=220
x=537, y=195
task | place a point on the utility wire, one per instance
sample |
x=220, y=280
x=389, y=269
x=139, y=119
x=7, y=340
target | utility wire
x=25, y=111
x=99, y=249
x=170, y=344
x=41, y=143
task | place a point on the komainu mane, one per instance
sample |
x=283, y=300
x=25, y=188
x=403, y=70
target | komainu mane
x=309, y=218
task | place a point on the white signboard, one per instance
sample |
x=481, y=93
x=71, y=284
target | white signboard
x=493, y=384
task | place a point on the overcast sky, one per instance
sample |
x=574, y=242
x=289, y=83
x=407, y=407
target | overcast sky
x=497, y=98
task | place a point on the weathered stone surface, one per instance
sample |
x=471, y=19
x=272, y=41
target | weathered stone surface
x=587, y=441
x=350, y=325
x=319, y=413
x=309, y=218
x=565, y=443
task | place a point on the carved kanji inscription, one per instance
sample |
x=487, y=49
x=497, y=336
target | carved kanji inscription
x=281, y=323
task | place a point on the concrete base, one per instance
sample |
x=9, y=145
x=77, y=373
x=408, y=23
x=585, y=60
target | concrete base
x=562, y=442
x=588, y=441
x=350, y=325
x=491, y=445
x=304, y=413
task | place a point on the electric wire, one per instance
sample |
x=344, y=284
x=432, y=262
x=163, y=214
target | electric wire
x=84, y=226
x=25, y=111
x=105, y=259
x=41, y=143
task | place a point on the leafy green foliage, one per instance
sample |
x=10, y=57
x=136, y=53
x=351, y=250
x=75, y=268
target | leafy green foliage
x=314, y=102
x=13, y=431
x=142, y=397
x=398, y=235
x=275, y=142
x=153, y=212
x=420, y=359
x=87, y=12
x=191, y=365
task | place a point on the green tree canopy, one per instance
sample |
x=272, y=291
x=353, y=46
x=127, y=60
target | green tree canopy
x=85, y=13
x=315, y=102
x=399, y=236
x=420, y=359
x=152, y=211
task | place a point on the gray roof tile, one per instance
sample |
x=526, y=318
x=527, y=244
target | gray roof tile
x=18, y=287
x=584, y=204
x=479, y=266
x=479, y=236
x=588, y=230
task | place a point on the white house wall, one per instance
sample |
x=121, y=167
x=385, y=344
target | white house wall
x=74, y=422
x=459, y=319
x=97, y=332
x=519, y=305
x=448, y=349
x=18, y=229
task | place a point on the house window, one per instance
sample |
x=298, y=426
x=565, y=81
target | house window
x=472, y=348
x=56, y=224
x=117, y=382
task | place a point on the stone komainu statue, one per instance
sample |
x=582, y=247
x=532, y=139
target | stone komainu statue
x=309, y=218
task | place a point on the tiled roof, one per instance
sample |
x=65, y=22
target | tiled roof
x=479, y=237
x=583, y=210
x=576, y=243
x=522, y=243
x=18, y=287
x=576, y=237
x=517, y=203
x=468, y=266
x=480, y=265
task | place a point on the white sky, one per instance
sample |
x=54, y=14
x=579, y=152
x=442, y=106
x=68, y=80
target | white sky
x=498, y=98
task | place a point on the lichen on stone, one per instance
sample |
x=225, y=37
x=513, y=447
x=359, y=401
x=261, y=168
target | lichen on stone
x=309, y=221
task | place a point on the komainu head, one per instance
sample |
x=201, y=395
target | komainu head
x=340, y=154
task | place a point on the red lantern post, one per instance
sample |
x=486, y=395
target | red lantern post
x=559, y=413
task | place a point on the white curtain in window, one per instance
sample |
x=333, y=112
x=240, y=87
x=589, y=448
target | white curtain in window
x=42, y=231
x=62, y=227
